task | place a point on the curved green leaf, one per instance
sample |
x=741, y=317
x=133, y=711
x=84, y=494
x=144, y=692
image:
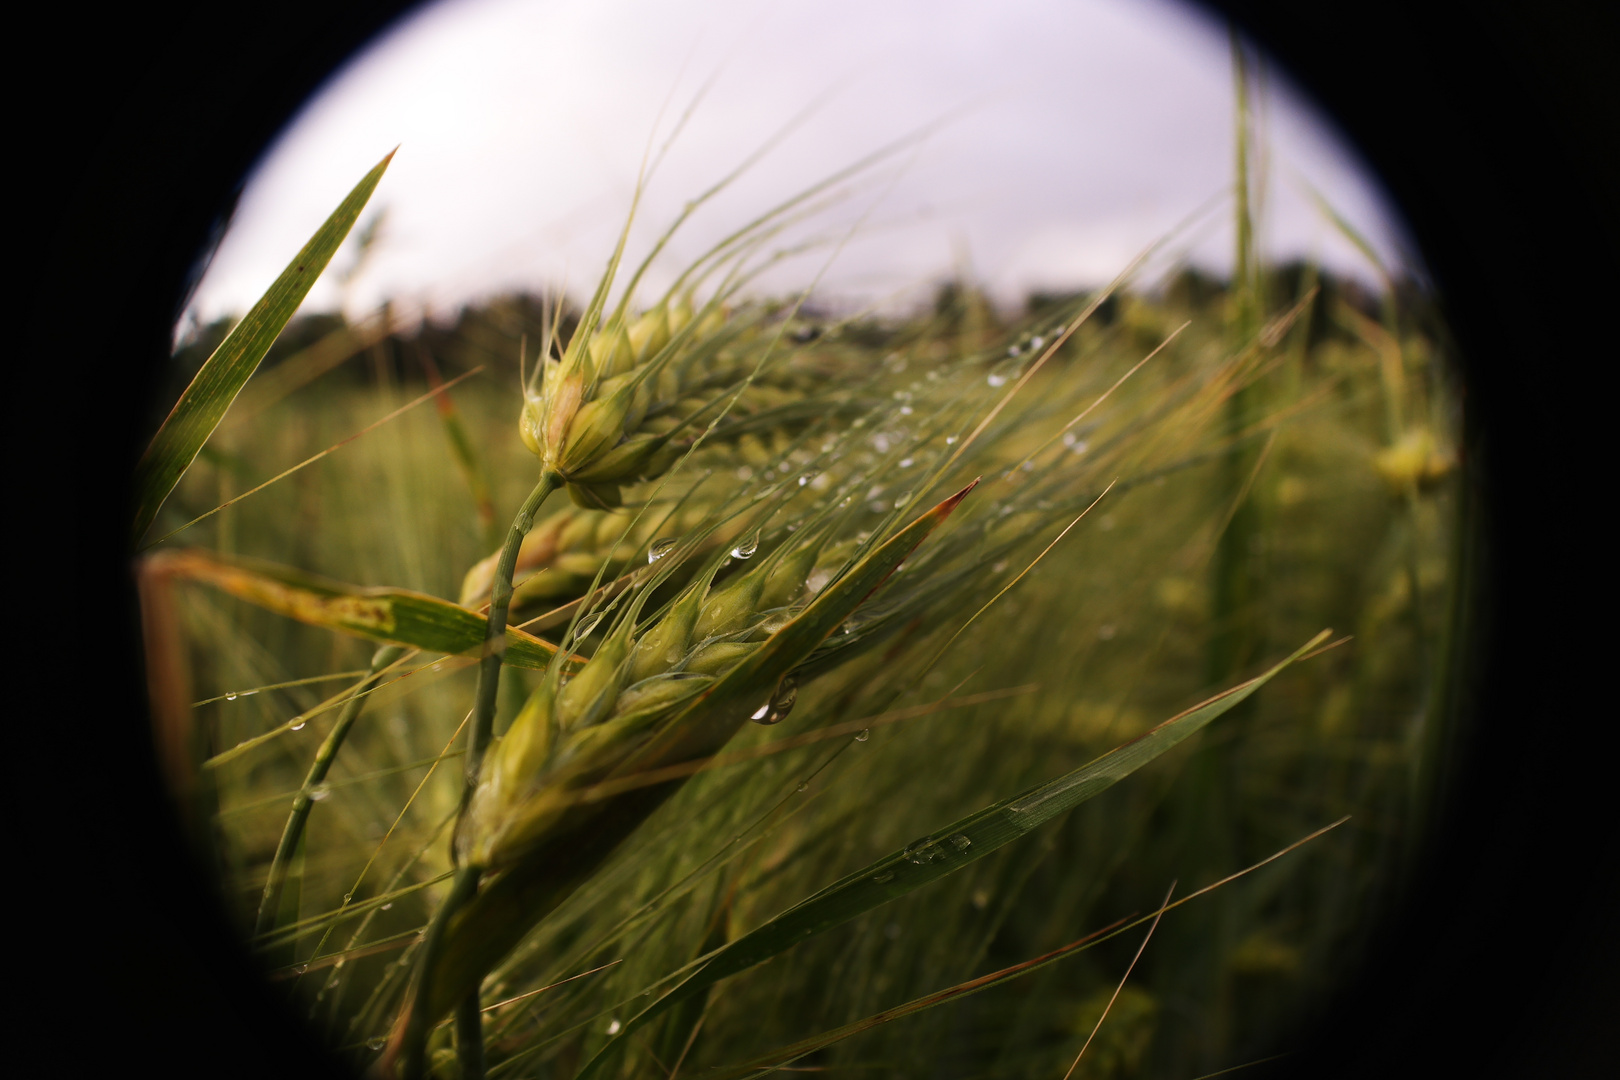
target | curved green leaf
x=385, y=615
x=946, y=851
x=220, y=379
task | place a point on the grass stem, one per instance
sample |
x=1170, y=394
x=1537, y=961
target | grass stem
x=500, y=602
x=305, y=799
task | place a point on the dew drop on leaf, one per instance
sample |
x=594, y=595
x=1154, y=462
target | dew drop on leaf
x=997, y=380
x=231, y=696
x=320, y=791
x=866, y=733
x=746, y=549
x=297, y=724
x=376, y=1044
x=660, y=548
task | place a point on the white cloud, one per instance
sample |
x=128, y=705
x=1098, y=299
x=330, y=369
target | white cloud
x=1087, y=130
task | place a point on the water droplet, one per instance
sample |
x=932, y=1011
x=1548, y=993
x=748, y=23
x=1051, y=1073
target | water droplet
x=807, y=477
x=297, y=724
x=805, y=786
x=866, y=733
x=759, y=713
x=745, y=473
x=961, y=842
x=1037, y=342
x=887, y=875
x=786, y=466
x=376, y=1044
x=905, y=410
x=588, y=625
x=320, y=791
x=231, y=696
x=776, y=710
x=905, y=497
x=880, y=443
x=876, y=507
x=1013, y=350
x=746, y=549
x=348, y=898
x=999, y=567
x=660, y=548
x=906, y=463
x=922, y=852
x=1028, y=465
x=388, y=905
x=613, y=1028
x=300, y=969
x=950, y=440
x=997, y=380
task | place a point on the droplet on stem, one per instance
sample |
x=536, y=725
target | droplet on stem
x=660, y=548
x=776, y=710
x=746, y=549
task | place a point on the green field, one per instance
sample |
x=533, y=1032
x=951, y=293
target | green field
x=1280, y=466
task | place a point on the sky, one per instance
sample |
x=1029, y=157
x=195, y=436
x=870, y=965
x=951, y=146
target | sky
x=1055, y=141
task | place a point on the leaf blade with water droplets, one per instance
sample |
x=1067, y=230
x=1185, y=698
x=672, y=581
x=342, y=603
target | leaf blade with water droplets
x=943, y=852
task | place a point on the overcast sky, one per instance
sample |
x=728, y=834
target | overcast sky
x=1078, y=132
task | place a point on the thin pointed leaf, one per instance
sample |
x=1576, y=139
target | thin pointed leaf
x=946, y=851
x=782, y=1055
x=222, y=376
x=385, y=615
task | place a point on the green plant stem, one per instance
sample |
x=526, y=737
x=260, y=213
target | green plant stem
x=470, y=1038
x=413, y=1045
x=500, y=602
x=469, y=1019
x=304, y=801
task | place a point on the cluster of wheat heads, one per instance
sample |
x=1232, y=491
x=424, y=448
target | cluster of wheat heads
x=576, y=825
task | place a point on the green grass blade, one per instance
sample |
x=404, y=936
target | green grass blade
x=384, y=615
x=945, y=851
x=784, y=1055
x=222, y=376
